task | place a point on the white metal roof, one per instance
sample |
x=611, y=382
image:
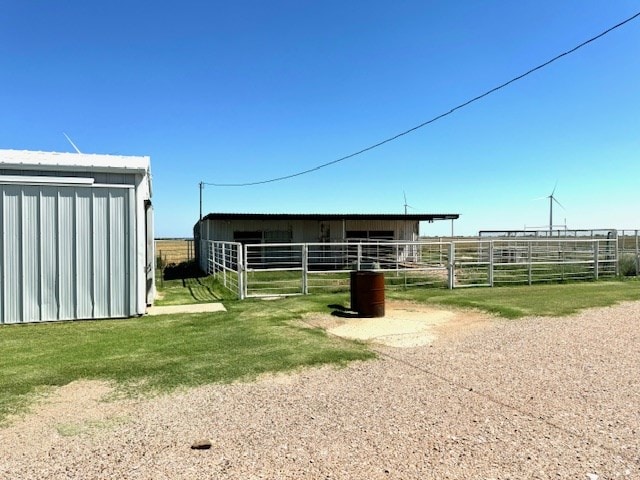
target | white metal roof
x=59, y=161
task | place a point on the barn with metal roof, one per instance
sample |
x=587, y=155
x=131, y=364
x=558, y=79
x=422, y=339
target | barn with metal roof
x=313, y=227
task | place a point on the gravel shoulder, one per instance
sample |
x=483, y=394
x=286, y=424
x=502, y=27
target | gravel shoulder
x=531, y=398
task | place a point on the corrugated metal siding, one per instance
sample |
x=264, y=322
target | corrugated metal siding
x=84, y=253
x=49, y=253
x=66, y=253
x=30, y=253
x=66, y=257
x=100, y=255
x=117, y=255
x=12, y=255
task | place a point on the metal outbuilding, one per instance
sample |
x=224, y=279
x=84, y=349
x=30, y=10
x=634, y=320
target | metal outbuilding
x=77, y=236
x=313, y=227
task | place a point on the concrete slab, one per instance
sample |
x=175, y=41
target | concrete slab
x=193, y=308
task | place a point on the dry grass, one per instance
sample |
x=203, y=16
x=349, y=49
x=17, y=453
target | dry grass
x=175, y=251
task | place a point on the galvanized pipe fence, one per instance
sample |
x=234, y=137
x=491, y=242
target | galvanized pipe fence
x=629, y=251
x=280, y=269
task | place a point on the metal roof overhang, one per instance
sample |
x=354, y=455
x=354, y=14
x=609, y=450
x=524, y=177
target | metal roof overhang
x=427, y=217
x=72, y=162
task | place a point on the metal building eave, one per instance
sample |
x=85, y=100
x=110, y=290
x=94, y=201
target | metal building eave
x=429, y=217
x=61, y=161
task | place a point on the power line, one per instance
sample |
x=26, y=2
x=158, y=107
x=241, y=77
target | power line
x=432, y=120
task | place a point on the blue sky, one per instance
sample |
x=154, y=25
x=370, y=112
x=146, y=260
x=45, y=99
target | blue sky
x=243, y=91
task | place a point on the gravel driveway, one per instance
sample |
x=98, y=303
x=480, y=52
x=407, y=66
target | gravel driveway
x=545, y=398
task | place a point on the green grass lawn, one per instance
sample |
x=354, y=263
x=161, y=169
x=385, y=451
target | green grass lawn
x=519, y=301
x=254, y=336
x=163, y=352
x=191, y=290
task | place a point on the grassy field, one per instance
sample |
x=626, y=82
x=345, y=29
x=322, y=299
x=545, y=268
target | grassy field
x=252, y=337
x=174, y=251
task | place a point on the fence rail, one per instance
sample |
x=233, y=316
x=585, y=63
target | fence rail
x=223, y=260
x=277, y=269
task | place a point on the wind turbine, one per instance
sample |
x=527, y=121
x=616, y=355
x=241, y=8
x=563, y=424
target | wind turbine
x=552, y=199
x=72, y=144
x=405, y=202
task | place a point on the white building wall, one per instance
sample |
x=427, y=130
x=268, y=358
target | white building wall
x=73, y=245
x=307, y=231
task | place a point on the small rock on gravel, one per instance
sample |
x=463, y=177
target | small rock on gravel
x=204, y=444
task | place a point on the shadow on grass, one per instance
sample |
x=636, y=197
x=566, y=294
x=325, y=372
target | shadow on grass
x=342, y=311
x=182, y=271
x=185, y=283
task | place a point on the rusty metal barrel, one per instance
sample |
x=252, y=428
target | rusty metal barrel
x=367, y=293
x=354, y=290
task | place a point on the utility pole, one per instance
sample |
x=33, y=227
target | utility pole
x=201, y=188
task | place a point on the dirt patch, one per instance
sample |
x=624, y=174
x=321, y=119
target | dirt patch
x=77, y=408
x=188, y=308
x=404, y=325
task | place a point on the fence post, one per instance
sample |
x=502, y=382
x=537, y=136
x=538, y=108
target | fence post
x=359, y=259
x=305, y=269
x=224, y=265
x=637, y=255
x=491, y=263
x=240, y=272
x=617, y=256
x=530, y=254
x=213, y=267
x=452, y=260
x=596, y=247
x=245, y=270
x=398, y=259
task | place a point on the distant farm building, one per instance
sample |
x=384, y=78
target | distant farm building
x=77, y=236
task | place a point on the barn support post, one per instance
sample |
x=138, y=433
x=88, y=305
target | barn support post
x=596, y=247
x=452, y=261
x=359, y=258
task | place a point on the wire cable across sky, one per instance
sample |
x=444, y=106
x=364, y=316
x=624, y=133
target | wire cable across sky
x=432, y=120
